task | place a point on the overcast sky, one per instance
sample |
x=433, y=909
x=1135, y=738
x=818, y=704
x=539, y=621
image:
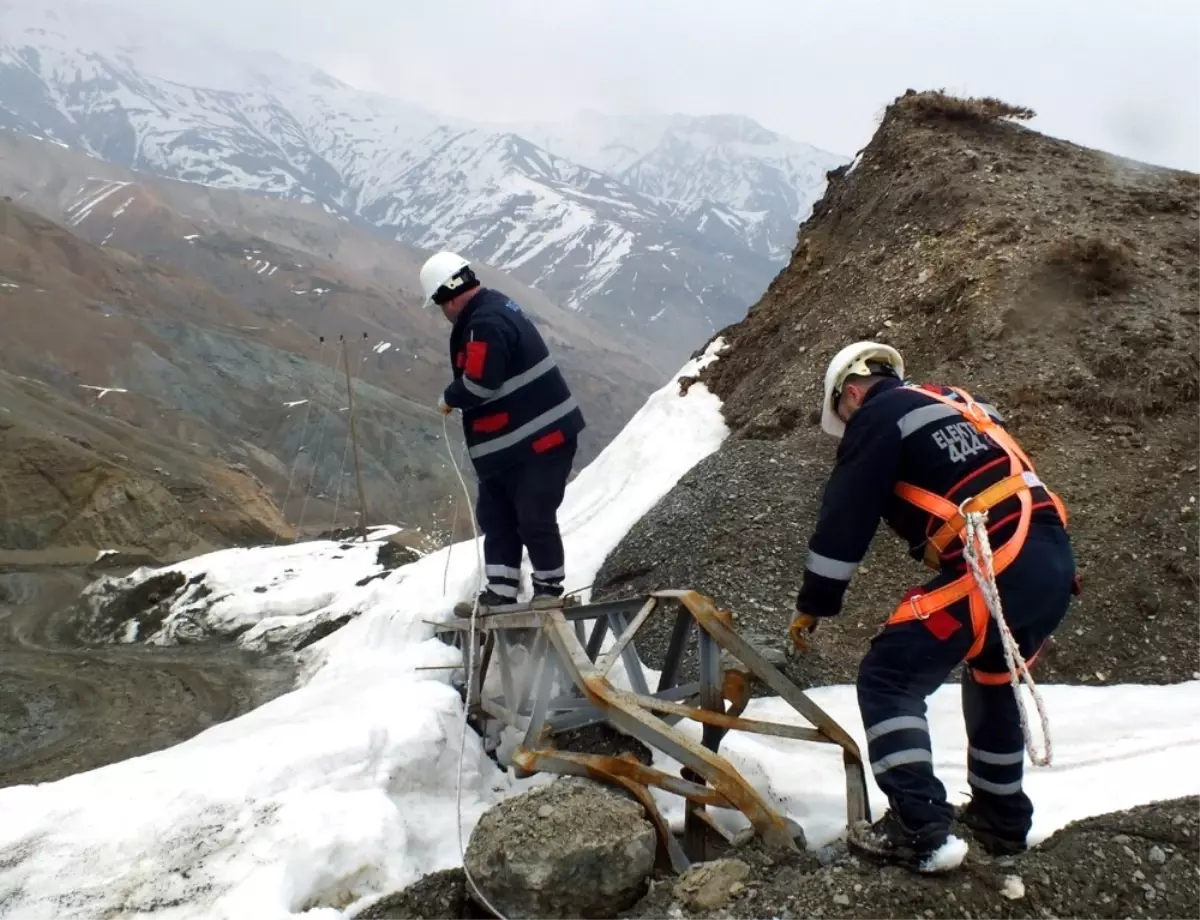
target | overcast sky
x=1122, y=76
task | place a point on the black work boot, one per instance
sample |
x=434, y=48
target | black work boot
x=548, y=598
x=994, y=840
x=889, y=840
x=489, y=602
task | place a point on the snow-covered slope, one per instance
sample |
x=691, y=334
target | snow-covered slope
x=723, y=175
x=654, y=251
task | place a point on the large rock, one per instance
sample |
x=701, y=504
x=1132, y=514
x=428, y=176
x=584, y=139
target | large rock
x=709, y=885
x=570, y=848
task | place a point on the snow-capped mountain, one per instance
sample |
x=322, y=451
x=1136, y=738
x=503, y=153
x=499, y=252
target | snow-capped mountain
x=721, y=175
x=666, y=234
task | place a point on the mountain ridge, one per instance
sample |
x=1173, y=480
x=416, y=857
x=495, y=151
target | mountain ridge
x=620, y=252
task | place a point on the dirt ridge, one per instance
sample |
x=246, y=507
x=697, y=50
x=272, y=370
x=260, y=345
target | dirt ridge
x=1058, y=281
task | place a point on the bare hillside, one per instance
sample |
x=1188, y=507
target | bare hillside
x=207, y=308
x=1059, y=281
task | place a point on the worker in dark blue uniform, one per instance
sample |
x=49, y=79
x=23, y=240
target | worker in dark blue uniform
x=913, y=457
x=521, y=425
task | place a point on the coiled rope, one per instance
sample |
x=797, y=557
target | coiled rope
x=977, y=550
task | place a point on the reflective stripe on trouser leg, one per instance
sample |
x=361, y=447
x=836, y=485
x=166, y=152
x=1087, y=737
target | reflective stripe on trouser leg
x=994, y=772
x=548, y=580
x=996, y=757
x=893, y=680
x=897, y=742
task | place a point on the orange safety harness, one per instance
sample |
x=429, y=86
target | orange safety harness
x=1021, y=480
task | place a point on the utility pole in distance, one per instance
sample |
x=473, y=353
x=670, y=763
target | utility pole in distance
x=362, y=501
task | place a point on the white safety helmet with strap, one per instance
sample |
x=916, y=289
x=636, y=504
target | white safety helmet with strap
x=860, y=359
x=444, y=275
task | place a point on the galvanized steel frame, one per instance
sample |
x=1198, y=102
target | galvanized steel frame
x=566, y=653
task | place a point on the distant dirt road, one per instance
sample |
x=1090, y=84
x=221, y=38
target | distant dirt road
x=66, y=709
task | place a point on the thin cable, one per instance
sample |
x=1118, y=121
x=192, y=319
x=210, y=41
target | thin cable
x=462, y=459
x=303, y=432
x=471, y=642
x=449, y=550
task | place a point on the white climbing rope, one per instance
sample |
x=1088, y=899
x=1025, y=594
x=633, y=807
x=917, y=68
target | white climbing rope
x=977, y=550
x=471, y=643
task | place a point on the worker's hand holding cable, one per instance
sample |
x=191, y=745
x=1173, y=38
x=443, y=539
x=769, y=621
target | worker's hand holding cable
x=442, y=407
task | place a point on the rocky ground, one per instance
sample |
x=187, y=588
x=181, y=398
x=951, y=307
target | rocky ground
x=1059, y=281
x=1136, y=863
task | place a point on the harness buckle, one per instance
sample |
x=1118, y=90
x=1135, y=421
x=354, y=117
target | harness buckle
x=978, y=415
x=917, y=614
x=962, y=508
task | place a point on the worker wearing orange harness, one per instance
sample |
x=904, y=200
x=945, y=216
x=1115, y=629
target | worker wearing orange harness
x=920, y=457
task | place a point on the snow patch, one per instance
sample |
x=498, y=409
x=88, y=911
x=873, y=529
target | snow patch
x=103, y=391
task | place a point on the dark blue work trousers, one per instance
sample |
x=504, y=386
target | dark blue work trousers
x=907, y=662
x=517, y=509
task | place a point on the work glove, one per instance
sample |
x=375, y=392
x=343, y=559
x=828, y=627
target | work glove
x=442, y=407
x=802, y=627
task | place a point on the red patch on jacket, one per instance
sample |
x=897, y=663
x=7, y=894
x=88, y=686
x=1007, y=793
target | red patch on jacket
x=548, y=441
x=942, y=624
x=476, y=359
x=459, y=360
x=489, y=424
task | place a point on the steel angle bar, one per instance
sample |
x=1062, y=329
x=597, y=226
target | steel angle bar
x=676, y=857
x=724, y=720
x=529, y=676
x=629, y=605
x=705, y=612
x=604, y=664
x=626, y=715
x=596, y=639
x=589, y=713
x=577, y=764
x=711, y=697
x=504, y=714
x=482, y=657
x=713, y=825
x=681, y=633
x=633, y=665
x=706, y=616
x=506, y=678
x=573, y=656
x=550, y=668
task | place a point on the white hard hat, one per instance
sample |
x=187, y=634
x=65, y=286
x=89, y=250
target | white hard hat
x=444, y=270
x=860, y=359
